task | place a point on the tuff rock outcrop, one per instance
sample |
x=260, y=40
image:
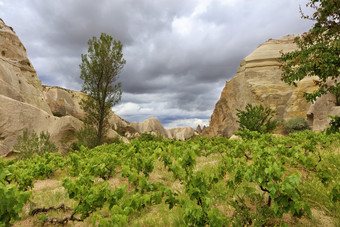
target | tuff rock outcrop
x=154, y=126
x=22, y=103
x=318, y=112
x=151, y=125
x=182, y=133
x=258, y=81
x=26, y=104
x=18, y=78
x=64, y=102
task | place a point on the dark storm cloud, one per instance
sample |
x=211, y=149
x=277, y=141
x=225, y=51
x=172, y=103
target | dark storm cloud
x=179, y=53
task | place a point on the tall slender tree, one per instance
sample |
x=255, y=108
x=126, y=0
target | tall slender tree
x=318, y=51
x=100, y=68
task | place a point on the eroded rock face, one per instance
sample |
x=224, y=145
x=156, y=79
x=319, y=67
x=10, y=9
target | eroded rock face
x=182, y=133
x=18, y=78
x=18, y=116
x=154, y=126
x=151, y=125
x=22, y=103
x=258, y=81
x=64, y=102
x=318, y=112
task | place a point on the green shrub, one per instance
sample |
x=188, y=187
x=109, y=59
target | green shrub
x=334, y=125
x=115, y=140
x=297, y=124
x=30, y=143
x=58, y=114
x=86, y=136
x=256, y=118
x=150, y=137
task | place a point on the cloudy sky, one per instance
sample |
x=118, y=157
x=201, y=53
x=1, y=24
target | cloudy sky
x=179, y=53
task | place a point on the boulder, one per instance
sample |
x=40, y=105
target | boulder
x=235, y=137
x=258, y=81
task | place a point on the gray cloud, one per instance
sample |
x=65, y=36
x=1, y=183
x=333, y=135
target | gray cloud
x=179, y=53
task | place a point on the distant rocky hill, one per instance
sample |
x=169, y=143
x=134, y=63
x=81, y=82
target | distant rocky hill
x=26, y=104
x=64, y=102
x=258, y=81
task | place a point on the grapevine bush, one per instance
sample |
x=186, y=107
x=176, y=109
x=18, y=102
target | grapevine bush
x=30, y=143
x=247, y=182
x=256, y=118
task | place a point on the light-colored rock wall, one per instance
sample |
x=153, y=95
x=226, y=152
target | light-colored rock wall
x=18, y=78
x=154, y=126
x=151, y=125
x=318, y=112
x=67, y=102
x=63, y=101
x=22, y=103
x=18, y=116
x=258, y=81
x=182, y=133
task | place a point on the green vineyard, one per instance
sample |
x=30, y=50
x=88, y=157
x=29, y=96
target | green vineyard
x=261, y=180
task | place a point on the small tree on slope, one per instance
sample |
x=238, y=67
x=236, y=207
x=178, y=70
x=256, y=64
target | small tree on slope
x=99, y=71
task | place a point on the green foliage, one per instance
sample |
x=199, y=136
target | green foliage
x=17, y=177
x=12, y=202
x=115, y=140
x=297, y=124
x=30, y=144
x=99, y=71
x=150, y=137
x=248, y=182
x=256, y=118
x=58, y=114
x=86, y=136
x=23, y=172
x=334, y=125
x=318, y=53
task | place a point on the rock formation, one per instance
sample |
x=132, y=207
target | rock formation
x=182, y=133
x=26, y=104
x=16, y=116
x=64, y=102
x=22, y=101
x=318, y=112
x=258, y=81
x=18, y=78
x=199, y=129
x=153, y=126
